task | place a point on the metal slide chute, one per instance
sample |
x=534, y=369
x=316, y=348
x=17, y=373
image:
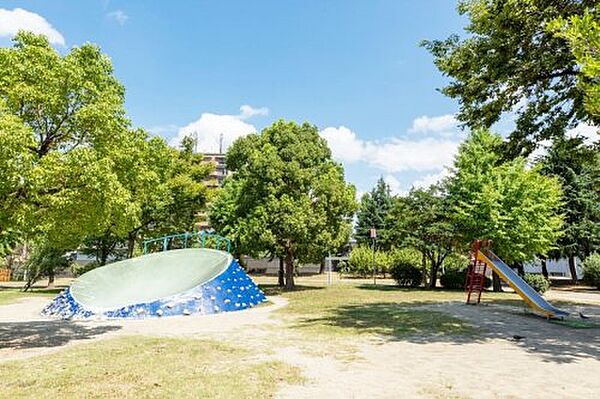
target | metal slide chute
x=525, y=291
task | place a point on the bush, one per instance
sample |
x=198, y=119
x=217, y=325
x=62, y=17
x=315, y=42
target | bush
x=537, y=282
x=591, y=270
x=361, y=261
x=405, y=267
x=456, y=262
x=78, y=269
x=455, y=279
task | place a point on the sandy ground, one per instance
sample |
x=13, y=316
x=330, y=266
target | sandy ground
x=547, y=360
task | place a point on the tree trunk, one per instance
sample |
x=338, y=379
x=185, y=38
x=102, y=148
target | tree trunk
x=322, y=266
x=103, y=256
x=280, y=273
x=433, y=274
x=573, y=269
x=130, y=245
x=289, y=269
x=544, y=268
x=424, y=268
x=520, y=269
x=496, y=283
x=51, y=279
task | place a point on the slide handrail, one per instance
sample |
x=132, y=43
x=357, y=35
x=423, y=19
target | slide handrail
x=200, y=237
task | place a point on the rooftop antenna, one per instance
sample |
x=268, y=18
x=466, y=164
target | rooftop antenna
x=221, y=143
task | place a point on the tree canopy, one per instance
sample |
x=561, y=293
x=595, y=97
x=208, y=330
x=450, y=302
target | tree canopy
x=583, y=35
x=373, y=212
x=514, y=206
x=286, y=196
x=577, y=167
x=72, y=170
x=511, y=62
x=422, y=220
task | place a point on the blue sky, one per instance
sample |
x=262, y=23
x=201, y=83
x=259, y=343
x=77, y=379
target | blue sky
x=353, y=68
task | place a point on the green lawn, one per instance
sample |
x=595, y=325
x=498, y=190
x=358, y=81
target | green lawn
x=142, y=367
x=356, y=308
x=10, y=295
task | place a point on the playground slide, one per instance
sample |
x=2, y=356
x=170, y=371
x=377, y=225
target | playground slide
x=525, y=291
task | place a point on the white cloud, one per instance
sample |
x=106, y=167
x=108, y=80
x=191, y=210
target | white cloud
x=392, y=155
x=589, y=133
x=344, y=144
x=119, y=16
x=209, y=128
x=433, y=124
x=11, y=21
x=394, y=184
x=429, y=179
x=246, y=111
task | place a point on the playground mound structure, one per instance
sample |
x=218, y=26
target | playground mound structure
x=170, y=283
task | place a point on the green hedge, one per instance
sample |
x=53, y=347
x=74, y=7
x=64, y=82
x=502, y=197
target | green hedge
x=537, y=282
x=591, y=270
x=406, y=267
x=361, y=261
x=455, y=279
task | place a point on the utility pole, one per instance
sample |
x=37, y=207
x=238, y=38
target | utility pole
x=221, y=143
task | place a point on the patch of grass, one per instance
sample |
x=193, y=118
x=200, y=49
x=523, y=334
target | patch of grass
x=575, y=323
x=351, y=309
x=11, y=295
x=142, y=367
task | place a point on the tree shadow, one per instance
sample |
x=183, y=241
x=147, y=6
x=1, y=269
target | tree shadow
x=396, y=288
x=274, y=289
x=393, y=321
x=48, y=334
x=457, y=323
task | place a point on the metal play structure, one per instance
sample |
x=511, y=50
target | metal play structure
x=200, y=239
x=483, y=258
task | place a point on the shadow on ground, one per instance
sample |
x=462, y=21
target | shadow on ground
x=274, y=289
x=47, y=334
x=457, y=323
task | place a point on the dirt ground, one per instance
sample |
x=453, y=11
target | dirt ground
x=516, y=355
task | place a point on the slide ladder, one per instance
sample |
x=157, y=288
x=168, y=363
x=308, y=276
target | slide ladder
x=482, y=254
x=475, y=283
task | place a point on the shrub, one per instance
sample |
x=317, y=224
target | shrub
x=537, y=282
x=361, y=261
x=384, y=262
x=405, y=267
x=591, y=270
x=455, y=279
x=456, y=262
x=78, y=269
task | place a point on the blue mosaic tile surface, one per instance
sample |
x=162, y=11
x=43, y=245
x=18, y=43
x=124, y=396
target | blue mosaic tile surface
x=230, y=291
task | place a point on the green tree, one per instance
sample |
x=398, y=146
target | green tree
x=577, y=167
x=72, y=115
x=510, y=56
x=16, y=161
x=372, y=213
x=514, y=206
x=421, y=220
x=286, y=196
x=583, y=35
